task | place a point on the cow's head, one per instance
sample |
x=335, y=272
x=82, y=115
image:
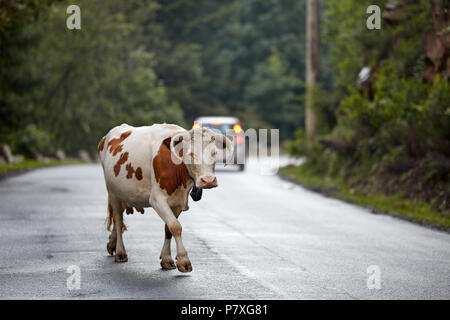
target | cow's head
x=198, y=149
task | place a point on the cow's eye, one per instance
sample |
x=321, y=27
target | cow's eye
x=214, y=153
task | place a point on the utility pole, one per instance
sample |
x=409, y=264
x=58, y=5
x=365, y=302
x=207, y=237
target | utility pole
x=312, y=65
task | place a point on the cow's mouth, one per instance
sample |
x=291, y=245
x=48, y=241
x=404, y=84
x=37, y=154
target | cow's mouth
x=208, y=186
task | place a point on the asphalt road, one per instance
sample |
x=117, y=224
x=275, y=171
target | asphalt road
x=253, y=237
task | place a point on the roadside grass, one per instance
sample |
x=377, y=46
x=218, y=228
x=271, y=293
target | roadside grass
x=396, y=205
x=28, y=164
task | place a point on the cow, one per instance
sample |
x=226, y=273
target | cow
x=157, y=166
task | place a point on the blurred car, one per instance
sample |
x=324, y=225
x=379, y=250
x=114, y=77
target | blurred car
x=231, y=127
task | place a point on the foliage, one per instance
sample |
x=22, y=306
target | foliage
x=32, y=141
x=142, y=62
x=246, y=58
x=398, y=140
x=271, y=92
x=79, y=84
x=390, y=136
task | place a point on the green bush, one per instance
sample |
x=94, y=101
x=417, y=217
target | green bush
x=32, y=141
x=404, y=111
x=396, y=140
x=297, y=146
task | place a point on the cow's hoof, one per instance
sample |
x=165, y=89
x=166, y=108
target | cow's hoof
x=167, y=263
x=121, y=257
x=110, y=248
x=184, y=265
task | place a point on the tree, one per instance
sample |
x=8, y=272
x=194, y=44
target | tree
x=71, y=86
x=312, y=64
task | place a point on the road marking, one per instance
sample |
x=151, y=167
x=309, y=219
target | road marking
x=246, y=272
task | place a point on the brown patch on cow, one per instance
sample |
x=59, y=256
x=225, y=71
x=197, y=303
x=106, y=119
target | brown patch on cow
x=101, y=144
x=140, y=210
x=123, y=158
x=115, y=145
x=167, y=232
x=166, y=142
x=129, y=210
x=175, y=228
x=138, y=173
x=117, y=150
x=169, y=175
x=130, y=171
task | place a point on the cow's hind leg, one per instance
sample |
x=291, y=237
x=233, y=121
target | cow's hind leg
x=167, y=262
x=119, y=227
x=111, y=245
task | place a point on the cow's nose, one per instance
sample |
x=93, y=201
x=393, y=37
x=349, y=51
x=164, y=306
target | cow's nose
x=208, y=182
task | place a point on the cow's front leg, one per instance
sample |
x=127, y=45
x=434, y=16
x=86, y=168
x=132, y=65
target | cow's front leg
x=166, y=257
x=160, y=205
x=121, y=254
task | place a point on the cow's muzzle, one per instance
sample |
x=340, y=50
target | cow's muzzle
x=208, y=182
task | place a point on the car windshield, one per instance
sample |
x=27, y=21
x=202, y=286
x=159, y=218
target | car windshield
x=221, y=128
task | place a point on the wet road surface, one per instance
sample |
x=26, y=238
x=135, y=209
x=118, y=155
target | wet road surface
x=254, y=237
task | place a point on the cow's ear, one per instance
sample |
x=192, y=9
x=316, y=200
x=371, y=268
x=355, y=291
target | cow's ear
x=177, y=140
x=174, y=147
x=168, y=141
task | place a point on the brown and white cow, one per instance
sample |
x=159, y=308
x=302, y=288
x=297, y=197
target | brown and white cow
x=156, y=166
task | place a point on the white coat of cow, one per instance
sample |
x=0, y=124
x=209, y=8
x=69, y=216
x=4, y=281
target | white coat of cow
x=145, y=167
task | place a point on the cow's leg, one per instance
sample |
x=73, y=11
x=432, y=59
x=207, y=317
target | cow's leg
x=160, y=205
x=117, y=208
x=111, y=246
x=166, y=257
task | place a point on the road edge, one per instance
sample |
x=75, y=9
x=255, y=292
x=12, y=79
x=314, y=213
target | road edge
x=331, y=192
x=13, y=172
